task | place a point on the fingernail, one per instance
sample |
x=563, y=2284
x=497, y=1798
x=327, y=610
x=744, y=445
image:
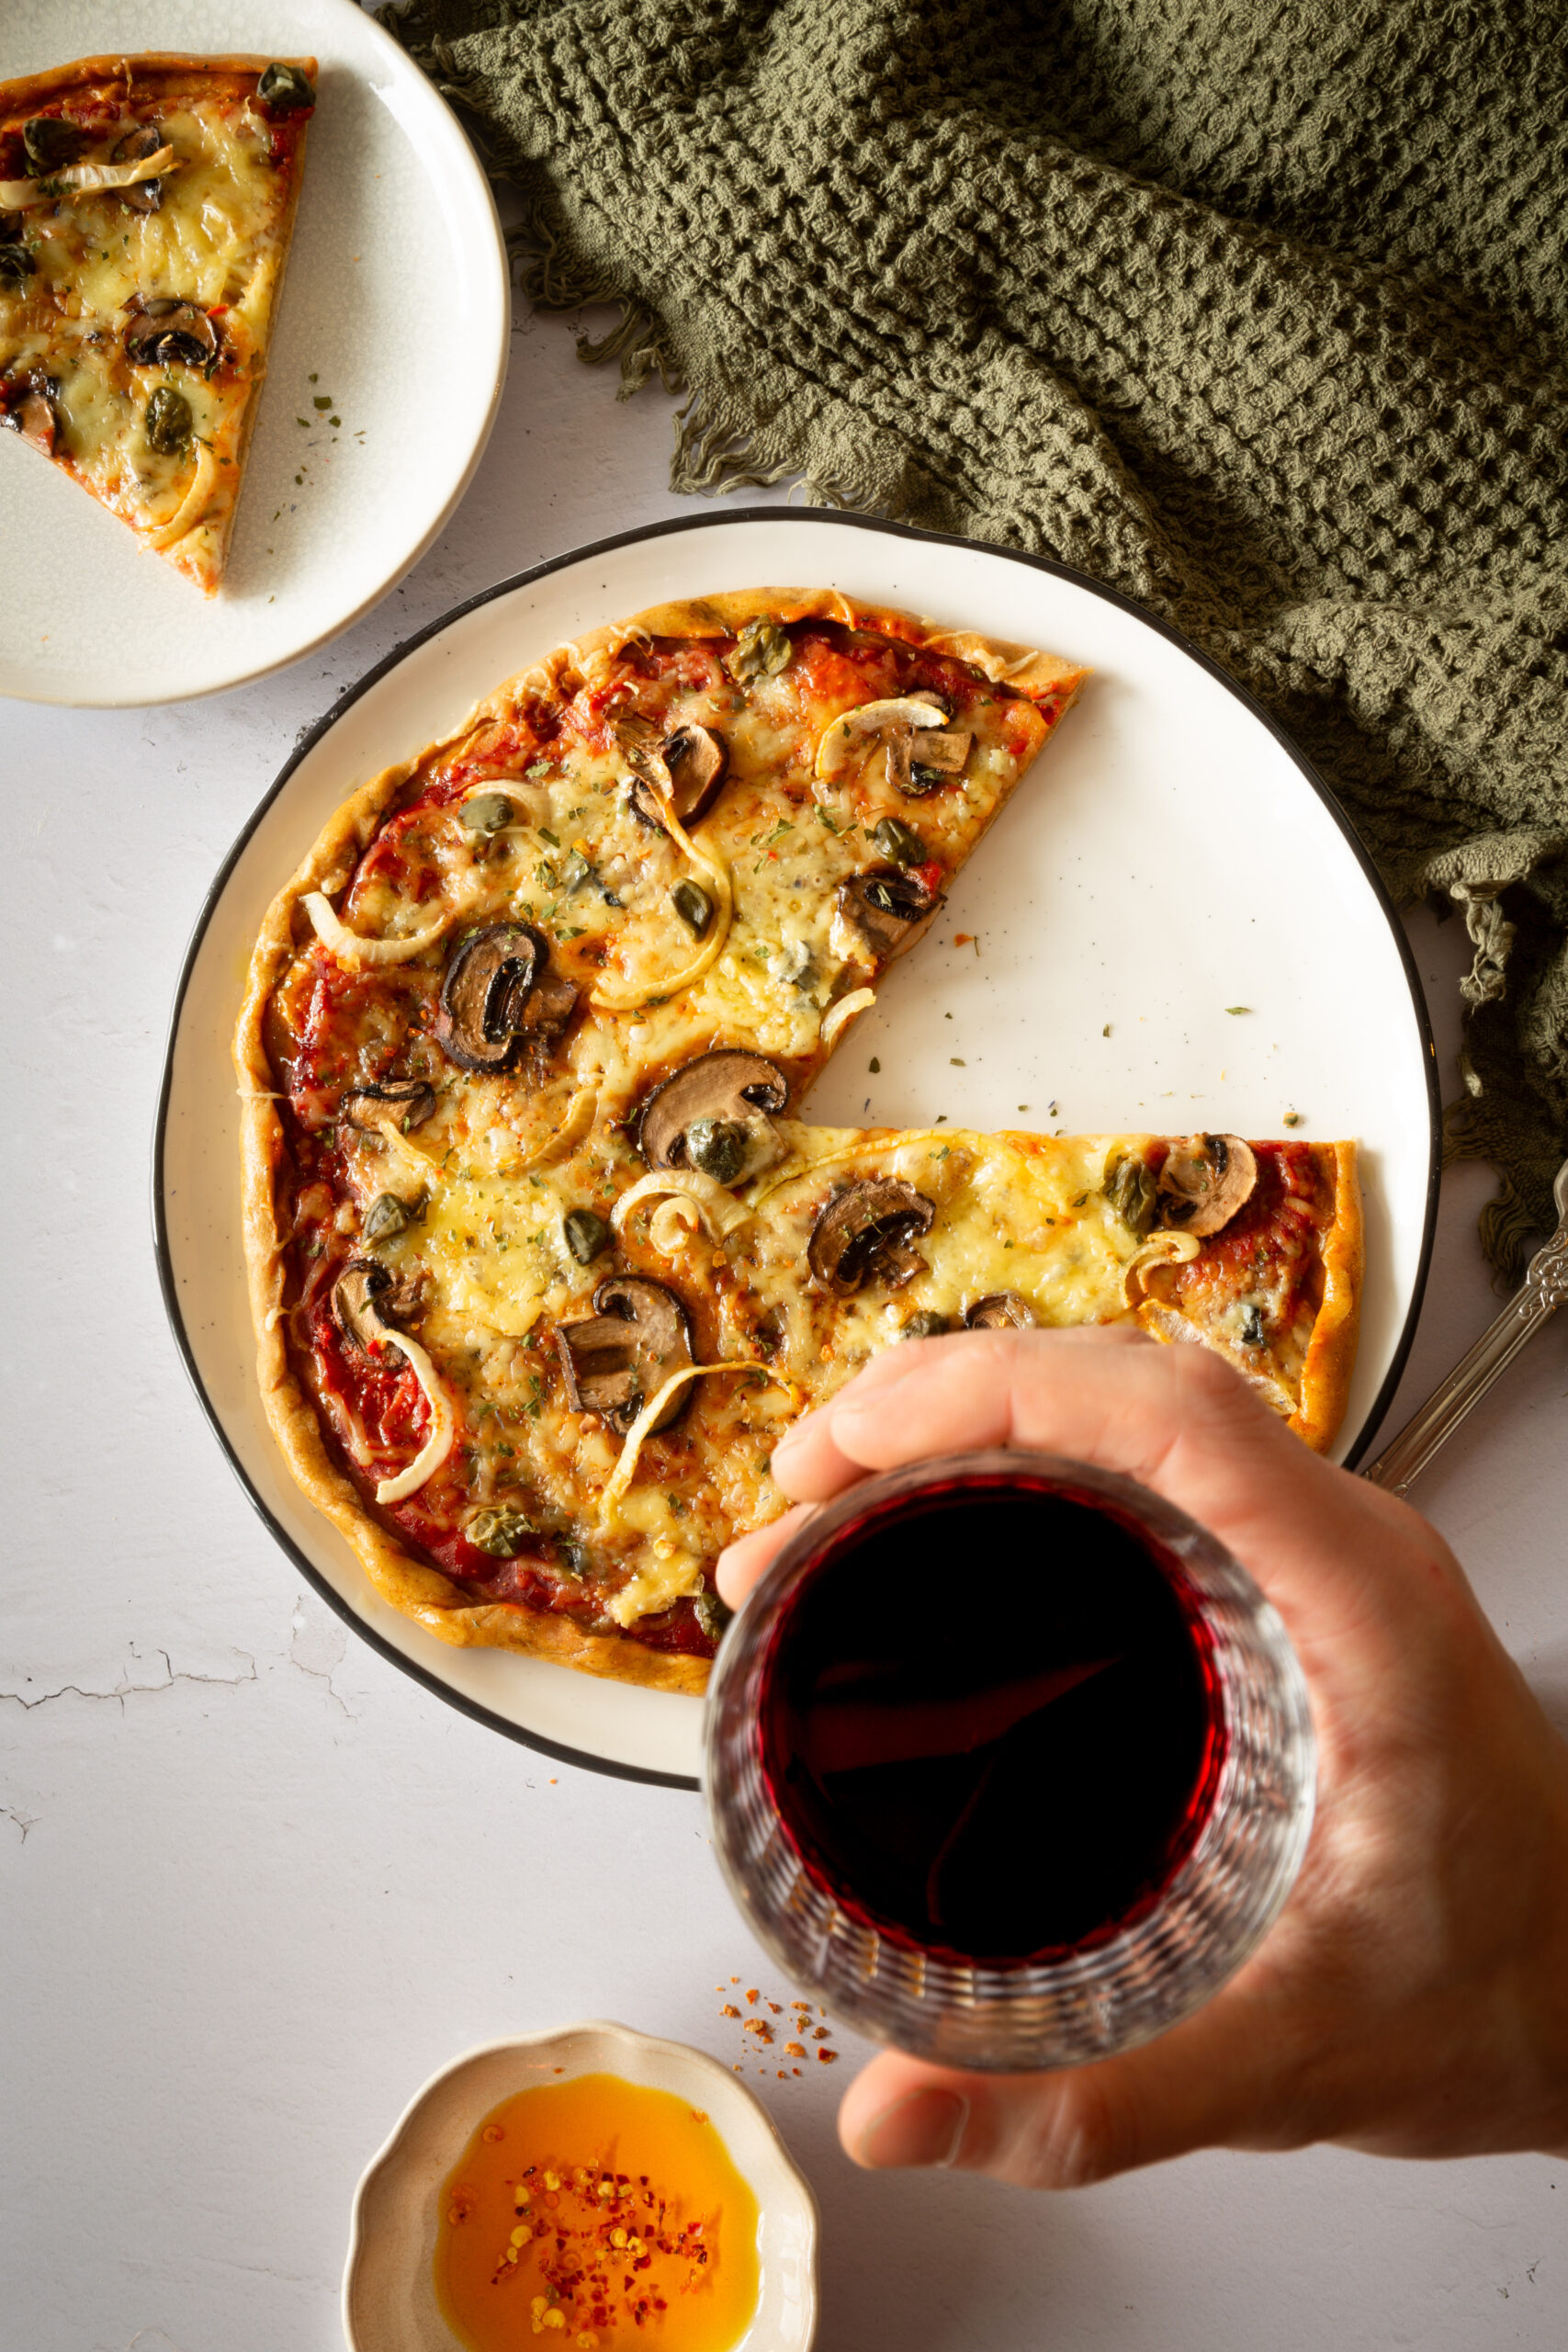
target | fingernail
x=922, y=2127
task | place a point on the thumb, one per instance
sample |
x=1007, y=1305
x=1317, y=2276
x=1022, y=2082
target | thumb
x=1198, y=2086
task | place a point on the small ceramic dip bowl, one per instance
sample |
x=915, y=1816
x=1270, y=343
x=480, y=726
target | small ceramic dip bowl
x=388, y=2285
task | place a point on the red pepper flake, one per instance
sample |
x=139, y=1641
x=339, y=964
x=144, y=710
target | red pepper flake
x=729, y=2010
x=752, y=1996
x=794, y=2049
x=827, y=2056
x=776, y=2007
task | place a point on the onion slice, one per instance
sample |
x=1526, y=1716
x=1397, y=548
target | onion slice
x=442, y=1424
x=849, y=1008
x=607, y=998
x=192, y=506
x=625, y=1468
x=717, y=1210
x=85, y=179
x=357, y=953
x=1159, y=1249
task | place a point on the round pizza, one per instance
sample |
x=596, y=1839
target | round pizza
x=543, y=1257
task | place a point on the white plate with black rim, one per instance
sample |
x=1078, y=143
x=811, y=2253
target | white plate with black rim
x=1170, y=858
x=396, y=223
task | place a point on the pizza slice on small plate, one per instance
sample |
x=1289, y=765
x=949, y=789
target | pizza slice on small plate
x=146, y=208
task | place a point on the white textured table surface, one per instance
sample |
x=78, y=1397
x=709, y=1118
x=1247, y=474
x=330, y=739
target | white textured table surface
x=257, y=1884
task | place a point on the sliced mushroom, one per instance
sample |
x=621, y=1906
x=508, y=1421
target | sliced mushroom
x=626, y=1351
x=864, y=1232
x=912, y=729
x=165, y=330
x=877, y=915
x=134, y=148
x=697, y=760
x=36, y=417
x=681, y=777
x=361, y=1296
x=1204, y=1181
x=1000, y=1310
x=711, y=1114
x=936, y=756
x=50, y=142
x=497, y=997
x=409, y=1100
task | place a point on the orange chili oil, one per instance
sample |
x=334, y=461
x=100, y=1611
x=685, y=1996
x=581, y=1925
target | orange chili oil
x=596, y=2213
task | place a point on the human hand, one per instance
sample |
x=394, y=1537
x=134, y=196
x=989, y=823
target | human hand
x=1412, y=1998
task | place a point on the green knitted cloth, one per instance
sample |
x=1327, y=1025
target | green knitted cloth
x=1257, y=310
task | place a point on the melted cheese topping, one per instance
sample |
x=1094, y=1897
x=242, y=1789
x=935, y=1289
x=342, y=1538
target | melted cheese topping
x=1024, y=1213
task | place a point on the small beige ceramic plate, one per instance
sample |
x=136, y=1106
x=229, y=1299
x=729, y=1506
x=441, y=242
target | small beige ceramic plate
x=389, y=2292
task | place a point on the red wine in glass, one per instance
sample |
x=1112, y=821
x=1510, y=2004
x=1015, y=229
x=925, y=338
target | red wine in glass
x=989, y=1719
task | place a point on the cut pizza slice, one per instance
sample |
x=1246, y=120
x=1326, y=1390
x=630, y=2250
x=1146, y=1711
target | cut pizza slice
x=540, y=1405
x=712, y=826
x=146, y=209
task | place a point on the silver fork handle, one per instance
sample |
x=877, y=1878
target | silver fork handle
x=1543, y=1290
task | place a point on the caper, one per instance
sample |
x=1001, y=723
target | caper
x=500, y=1533
x=693, y=906
x=168, y=421
x=1132, y=1192
x=16, y=263
x=924, y=780
x=572, y=1557
x=586, y=1235
x=716, y=1146
x=761, y=650
x=50, y=144
x=386, y=1218
x=487, y=813
x=711, y=1613
x=283, y=89
x=926, y=1325
x=895, y=841
x=1252, y=1332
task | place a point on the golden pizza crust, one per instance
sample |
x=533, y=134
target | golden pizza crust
x=192, y=77
x=1331, y=1352
x=32, y=90
x=1025, y=670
